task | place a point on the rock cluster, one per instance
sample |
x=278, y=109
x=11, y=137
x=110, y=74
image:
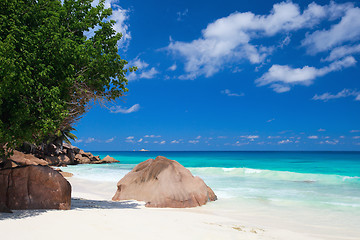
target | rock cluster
x=162, y=182
x=68, y=155
x=33, y=187
x=55, y=156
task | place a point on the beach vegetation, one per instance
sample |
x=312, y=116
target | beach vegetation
x=56, y=59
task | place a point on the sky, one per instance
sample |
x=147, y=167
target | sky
x=233, y=76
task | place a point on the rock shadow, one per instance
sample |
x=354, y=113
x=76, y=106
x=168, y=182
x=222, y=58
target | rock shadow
x=76, y=203
x=79, y=203
x=19, y=214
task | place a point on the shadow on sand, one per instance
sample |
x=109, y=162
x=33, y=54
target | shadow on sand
x=18, y=214
x=79, y=203
x=76, y=203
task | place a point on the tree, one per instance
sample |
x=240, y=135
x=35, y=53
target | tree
x=50, y=68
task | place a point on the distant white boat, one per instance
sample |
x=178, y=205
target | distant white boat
x=143, y=150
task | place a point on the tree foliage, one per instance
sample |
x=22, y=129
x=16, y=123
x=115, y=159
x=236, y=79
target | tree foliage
x=51, y=68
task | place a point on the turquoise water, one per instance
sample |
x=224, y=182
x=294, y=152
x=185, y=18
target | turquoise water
x=325, y=180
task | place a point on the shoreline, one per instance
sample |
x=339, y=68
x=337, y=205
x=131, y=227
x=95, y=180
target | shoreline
x=94, y=215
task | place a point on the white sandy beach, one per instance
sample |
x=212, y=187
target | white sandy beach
x=94, y=215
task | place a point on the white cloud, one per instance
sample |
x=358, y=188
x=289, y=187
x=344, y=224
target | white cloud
x=313, y=137
x=142, y=72
x=231, y=94
x=140, y=140
x=79, y=140
x=321, y=130
x=182, y=14
x=193, y=141
x=354, y=131
x=90, y=140
x=236, y=70
x=198, y=137
x=356, y=137
x=152, y=136
x=250, y=136
x=175, y=141
x=285, y=141
x=347, y=30
x=148, y=74
x=286, y=131
x=162, y=142
x=280, y=88
x=121, y=16
x=140, y=64
x=229, y=39
x=119, y=109
x=238, y=143
x=271, y=137
x=131, y=76
x=282, y=77
x=172, y=67
x=334, y=142
x=270, y=120
x=342, y=94
x=110, y=140
x=130, y=139
x=343, y=51
x=285, y=41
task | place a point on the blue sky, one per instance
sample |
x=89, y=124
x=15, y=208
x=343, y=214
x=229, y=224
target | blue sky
x=257, y=75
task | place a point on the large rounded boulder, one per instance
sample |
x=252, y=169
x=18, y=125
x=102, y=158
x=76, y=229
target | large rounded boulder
x=162, y=182
x=34, y=187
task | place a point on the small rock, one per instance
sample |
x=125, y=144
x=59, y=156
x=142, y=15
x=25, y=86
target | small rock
x=66, y=174
x=109, y=159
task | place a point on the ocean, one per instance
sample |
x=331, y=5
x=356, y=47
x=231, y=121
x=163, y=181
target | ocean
x=311, y=186
x=319, y=179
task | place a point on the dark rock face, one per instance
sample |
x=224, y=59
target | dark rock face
x=163, y=183
x=59, y=160
x=79, y=158
x=34, y=187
